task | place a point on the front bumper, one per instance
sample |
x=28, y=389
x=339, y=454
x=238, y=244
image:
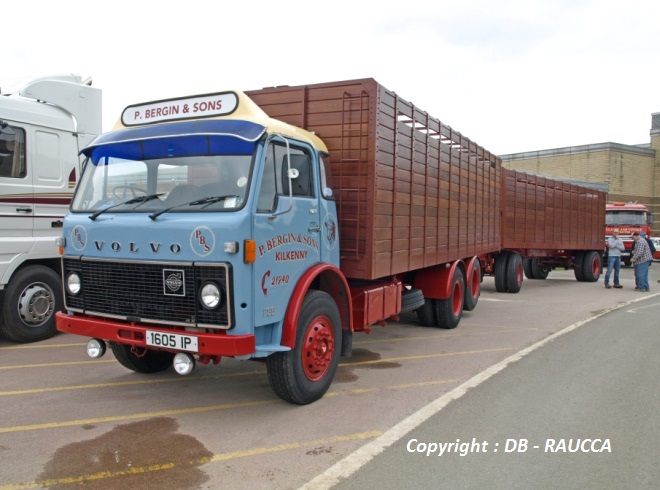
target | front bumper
x=215, y=344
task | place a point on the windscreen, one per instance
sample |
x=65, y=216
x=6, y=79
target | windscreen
x=163, y=183
x=620, y=218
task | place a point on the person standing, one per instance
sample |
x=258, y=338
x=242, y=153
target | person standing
x=614, y=249
x=641, y=259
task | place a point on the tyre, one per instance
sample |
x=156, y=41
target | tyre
x=472, y=292
x=592, y=266
x=426, y=313
x=500, y=272
x=627, y=262
x=514, y=273
x=448, y=311
x=346, y=343
x=142, y=360
x=538, y=271
x=578, y=266
x=32, y=297
x=303, y=374
x=527, y=268
x=411, y=299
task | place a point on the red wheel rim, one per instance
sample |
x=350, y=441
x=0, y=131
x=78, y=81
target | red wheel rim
x=476, y=282
x=595, y=266
x=457, y=301
x=519, y=274
x=318, y=348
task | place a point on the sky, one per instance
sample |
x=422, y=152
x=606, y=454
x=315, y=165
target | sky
x=512, y=75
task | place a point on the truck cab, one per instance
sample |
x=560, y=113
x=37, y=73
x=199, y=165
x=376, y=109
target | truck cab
x=627, y=218
x=43, y=127
x=192, y=228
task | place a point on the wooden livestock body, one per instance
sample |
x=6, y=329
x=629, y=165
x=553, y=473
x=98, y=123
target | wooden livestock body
x=411, y=192
x=541, y=216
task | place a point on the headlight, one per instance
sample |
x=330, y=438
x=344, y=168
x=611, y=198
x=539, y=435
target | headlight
x=210, y=296
x=73, y=283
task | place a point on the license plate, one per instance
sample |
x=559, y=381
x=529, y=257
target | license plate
x=172, y=341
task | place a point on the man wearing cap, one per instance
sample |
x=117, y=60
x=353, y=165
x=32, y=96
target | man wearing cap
x=615, y=247
x=641, y=259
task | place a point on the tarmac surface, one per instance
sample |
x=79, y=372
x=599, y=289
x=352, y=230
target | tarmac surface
x=66, y=419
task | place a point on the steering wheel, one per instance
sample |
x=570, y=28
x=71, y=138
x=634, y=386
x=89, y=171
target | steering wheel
x=132, y=188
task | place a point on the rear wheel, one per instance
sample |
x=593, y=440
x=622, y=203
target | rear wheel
x=514, y=273
x=426, y=313
x=578, y=266
x=527, y=268
x=411, y=299
x=303, y=374
x=592, y=266
x=142, y=360
x=448, y=311
x=30, y=302
x=500, y=272
x=473, y=290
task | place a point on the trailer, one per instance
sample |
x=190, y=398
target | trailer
x=547, y=223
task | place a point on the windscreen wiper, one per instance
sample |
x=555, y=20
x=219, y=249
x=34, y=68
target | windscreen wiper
x=135, y=200
x=205, y=201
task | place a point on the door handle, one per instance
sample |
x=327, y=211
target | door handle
x=24, y=210
x=314, y=228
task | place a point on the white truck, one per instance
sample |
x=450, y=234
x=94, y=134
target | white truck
x=43, y=127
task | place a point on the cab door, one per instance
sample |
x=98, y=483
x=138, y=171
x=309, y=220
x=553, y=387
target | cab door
x=286, y=226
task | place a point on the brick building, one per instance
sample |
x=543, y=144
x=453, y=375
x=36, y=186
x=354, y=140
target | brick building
x=632, y=172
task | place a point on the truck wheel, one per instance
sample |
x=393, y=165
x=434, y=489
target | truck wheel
x=303, y=374
x=472, y=293
x=591, y=266
x=346, y=343
x=448, y=311
x=538, y=271
x=31, y=300
x=500, y=272
x=527, y=268
x=426, y=313
x=514, y=273
x=411, y=299
x=578, y=266
x=627, y=262
x=142, y=360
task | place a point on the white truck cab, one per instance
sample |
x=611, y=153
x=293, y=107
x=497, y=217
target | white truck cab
x=43, y=127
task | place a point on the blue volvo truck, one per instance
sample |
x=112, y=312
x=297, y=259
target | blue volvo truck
x=202, y=228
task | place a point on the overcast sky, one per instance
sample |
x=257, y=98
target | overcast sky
x=511, y=75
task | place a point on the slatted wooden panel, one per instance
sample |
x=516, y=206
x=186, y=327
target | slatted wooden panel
x=411, y=192
x=547, y=214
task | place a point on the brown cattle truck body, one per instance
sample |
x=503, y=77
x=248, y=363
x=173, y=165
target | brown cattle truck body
x=411, y=192
x=544, y=217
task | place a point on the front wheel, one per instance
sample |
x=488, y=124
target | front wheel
x=303, y=374
x=142, y=360
x=31, y=300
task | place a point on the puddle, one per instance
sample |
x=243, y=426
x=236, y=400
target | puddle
x=346, y=373
x=134, y=453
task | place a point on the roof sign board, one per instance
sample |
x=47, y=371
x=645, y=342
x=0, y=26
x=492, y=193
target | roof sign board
x=196, y=107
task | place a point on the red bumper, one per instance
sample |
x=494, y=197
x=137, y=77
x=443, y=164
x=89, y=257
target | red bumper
x=216, y=344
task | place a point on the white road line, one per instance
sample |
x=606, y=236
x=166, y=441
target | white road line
x=353, y=462
x=635, y=310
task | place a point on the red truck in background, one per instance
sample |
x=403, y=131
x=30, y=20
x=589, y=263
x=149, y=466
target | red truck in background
x=628, y=218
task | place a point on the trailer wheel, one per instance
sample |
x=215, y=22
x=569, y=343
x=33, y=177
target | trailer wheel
x=538, y=271
x=31, y=300
x=448, y=311
x=500, y=269
x=578, y=266
x=474, y=290
x=141, y=360
x=303, y=374
x=426, y=313
x=591, y=266
x=514, y=273
x=527, y=269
